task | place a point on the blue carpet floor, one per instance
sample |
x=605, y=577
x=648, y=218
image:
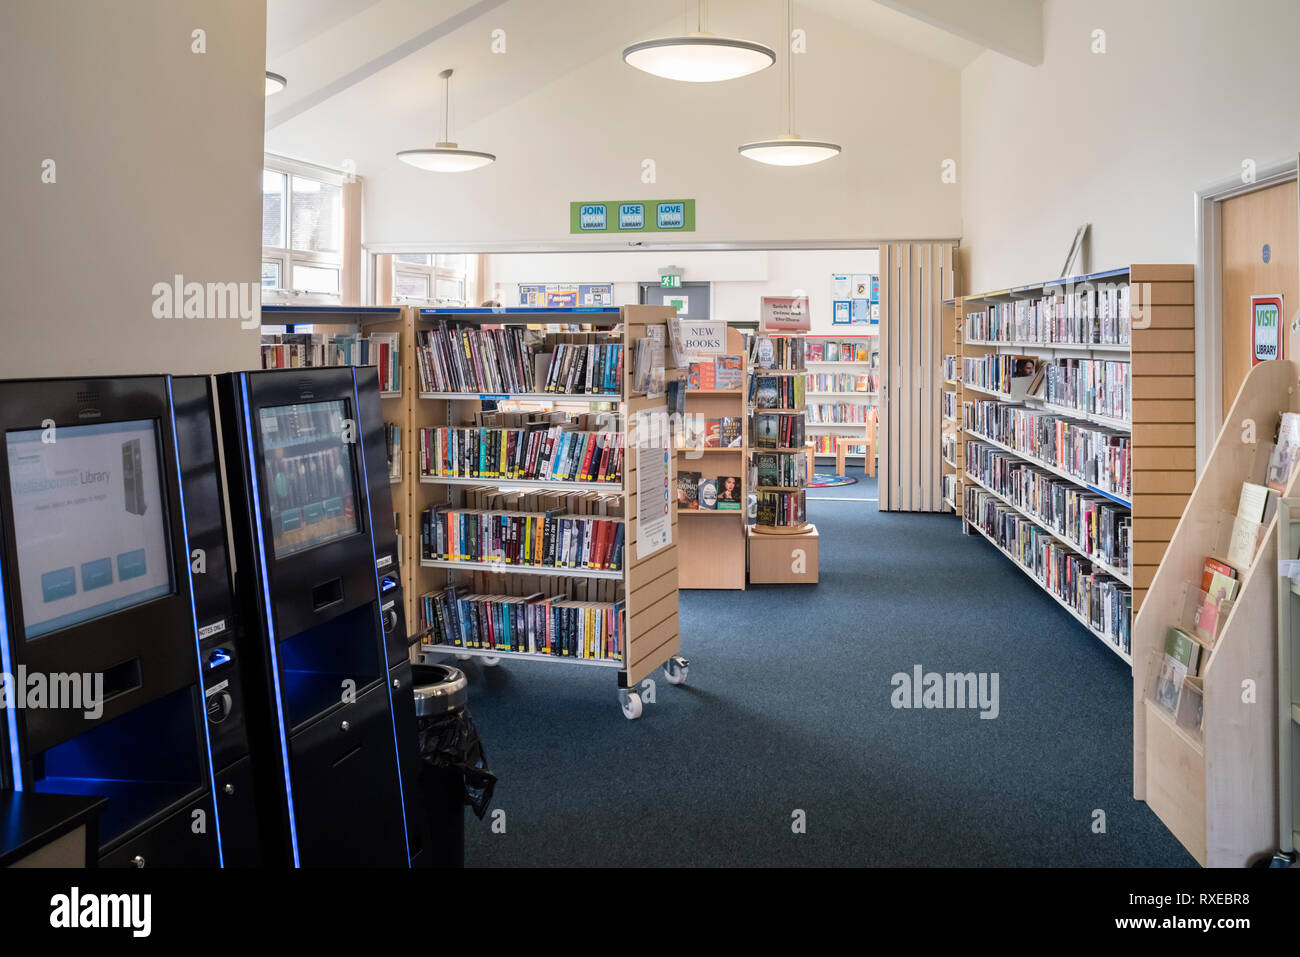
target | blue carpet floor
x=788, y=709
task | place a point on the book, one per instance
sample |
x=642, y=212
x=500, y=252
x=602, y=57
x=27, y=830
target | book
x=707, y=493
x=1218, y=587
x=713, y=433
x=702, y=376
x=1285, y=453
x=729, y=372
x=1182, y=657
x=688, y=489
x=728, y=489
x=1254, y=509
x=729, y=432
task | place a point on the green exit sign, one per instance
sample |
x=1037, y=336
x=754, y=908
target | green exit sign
x=670, y=282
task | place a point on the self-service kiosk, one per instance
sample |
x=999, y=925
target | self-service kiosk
x=323, y=735
x=98, y=630
x=392, y=602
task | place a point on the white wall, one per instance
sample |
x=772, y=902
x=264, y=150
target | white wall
x=1186, y=90
x=740, y=278
x=584, y=134
x=158, y=155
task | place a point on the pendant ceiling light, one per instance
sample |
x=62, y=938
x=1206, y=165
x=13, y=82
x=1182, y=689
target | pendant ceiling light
x=446, y=156
x=789, y=149
x=699, y=57
x=274, y=83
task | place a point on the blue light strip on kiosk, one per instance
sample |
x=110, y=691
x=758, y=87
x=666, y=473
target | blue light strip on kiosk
x=11, y=712
x=198, y=652
x=270, y=622
x=383, y=645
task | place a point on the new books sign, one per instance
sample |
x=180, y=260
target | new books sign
x=640, y=216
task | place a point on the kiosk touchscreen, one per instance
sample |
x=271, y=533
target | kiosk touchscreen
x=99, y=620
x=320, y=716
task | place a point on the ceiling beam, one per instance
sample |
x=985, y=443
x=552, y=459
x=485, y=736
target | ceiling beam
x=382, y=61
x=1013, y=28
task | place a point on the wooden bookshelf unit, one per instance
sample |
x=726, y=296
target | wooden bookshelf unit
x=712, y=543
x=1159, y=429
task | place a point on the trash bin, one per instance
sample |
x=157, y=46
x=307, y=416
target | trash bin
x=453, y=766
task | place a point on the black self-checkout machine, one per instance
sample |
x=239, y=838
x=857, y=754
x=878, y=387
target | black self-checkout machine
x=322, y=726
x=97, y=603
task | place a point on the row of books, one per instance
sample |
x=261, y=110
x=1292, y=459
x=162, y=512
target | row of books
x=585, y=369
x=1098, y=598
x=948, y=446
x=839, y=413
x=948, y=404
x=779, y=469
x=1098, y=527
x=313, y=350
x=781, y=509
x=845, y=351
x=948, y=483
x=530, y=624
x=842, y=382
x=393, y=446
x=826, y=444
x=703, y=432
x=1007, y=374
x=777, y=352
x=776, y=391
x=1092, y=315
x=471, y=359
x=777, y=430
x=1093, y=386
x=950, y=368
x=719, y=373
x=1089, y=454
x=550, y=453
x=695, y=491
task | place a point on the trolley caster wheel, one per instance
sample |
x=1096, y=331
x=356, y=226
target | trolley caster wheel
x=491, y=661
x=631, y=704
x=675, y=670
x=464, y=657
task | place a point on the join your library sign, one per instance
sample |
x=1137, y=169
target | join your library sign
x=652, y=216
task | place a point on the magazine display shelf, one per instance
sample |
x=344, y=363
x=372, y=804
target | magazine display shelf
x=1218, y=794
x=712, y=543
x=648, y=586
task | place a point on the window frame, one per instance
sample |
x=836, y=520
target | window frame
x=287, y=257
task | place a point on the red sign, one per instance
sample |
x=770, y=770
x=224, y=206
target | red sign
x=785, y=314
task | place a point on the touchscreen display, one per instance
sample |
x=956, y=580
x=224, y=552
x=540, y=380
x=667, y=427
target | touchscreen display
x=88, y=521
x=307, y=467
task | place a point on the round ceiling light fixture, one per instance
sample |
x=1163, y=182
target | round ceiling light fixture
x=789, y=149
x=699, y=57
x=274, y=83
x=446, y=156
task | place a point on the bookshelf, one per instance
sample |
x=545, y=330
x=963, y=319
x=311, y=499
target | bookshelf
x=840, y=391
x=1217, y=791
x=645, y=587
x=1129, y=398
x=778, y=430
x=1288, y=688
x=712, y=544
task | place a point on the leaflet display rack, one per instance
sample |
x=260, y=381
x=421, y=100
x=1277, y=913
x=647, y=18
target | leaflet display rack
x=1217, y=791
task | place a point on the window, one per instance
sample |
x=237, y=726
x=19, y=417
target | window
x=302, y=234
x=422, y=278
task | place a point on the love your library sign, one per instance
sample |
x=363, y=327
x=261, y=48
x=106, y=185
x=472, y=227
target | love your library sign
x=641, y=216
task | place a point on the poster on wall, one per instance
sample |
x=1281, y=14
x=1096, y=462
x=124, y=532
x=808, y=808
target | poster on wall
x=531, y=294
x=841, y=312
x=653, y=495
x=1266, y=325
x=561, y=298
x=861, y=312
x=841, y=286
x=785, y=314
x=596, y=294
x=861, y=286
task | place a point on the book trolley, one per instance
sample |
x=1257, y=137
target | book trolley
x=643, y=590
x=1216, y=786
x=712, y=552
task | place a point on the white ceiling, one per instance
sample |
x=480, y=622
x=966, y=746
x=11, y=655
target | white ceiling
x=362, y=73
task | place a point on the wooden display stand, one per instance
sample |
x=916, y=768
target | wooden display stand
x=712, y=552
x=1218, y=792
x=783, y=559
x=648, y=586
